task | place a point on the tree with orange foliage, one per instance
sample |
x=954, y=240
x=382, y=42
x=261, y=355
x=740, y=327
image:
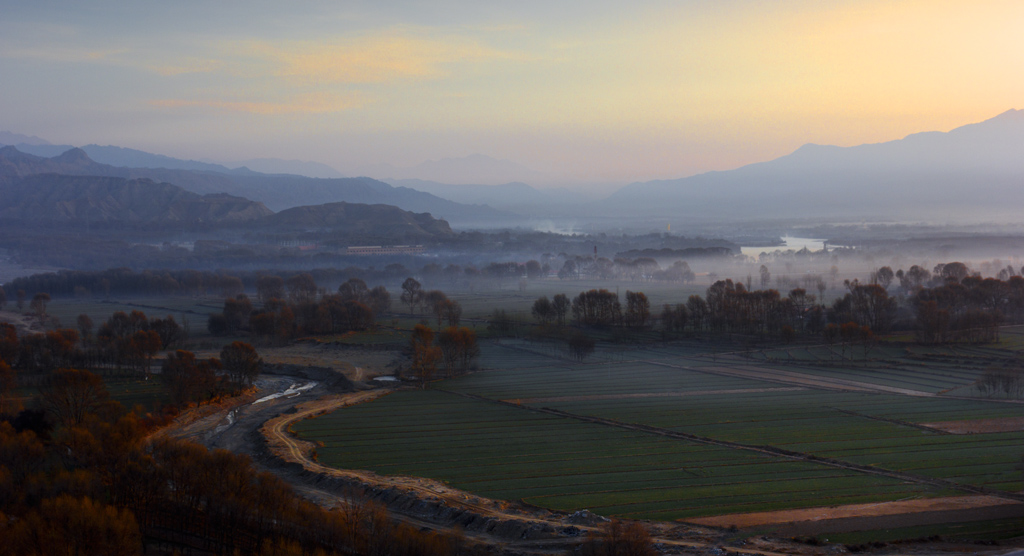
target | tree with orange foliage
x=241, y=362
x=423, y=353
x=458, y=348
x=8, y=403
x=82, y=525
x=190, y=380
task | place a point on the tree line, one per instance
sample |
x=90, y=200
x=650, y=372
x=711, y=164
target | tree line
x=298, y=306
x=949, y=304
x=190, y=282
x=125, y=342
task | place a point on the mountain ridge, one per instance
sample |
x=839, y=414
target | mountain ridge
x=472, y=169
x=54, y=198
x=967, y=172
x=360, y=220
x=33, y=194
x=277, y=192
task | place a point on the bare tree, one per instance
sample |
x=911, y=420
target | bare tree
x=542, y=310
x=38, y=305
x=883, y=277
x=560, y=304
x=73, y=395
x=241, y=362
x=581, y=346
x=412, y=293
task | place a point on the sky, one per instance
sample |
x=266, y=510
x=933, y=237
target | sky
x=587, y=92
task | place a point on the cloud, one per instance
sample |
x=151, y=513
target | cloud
x=303, y=104
x=61, y=54
x=187, y=66
x=377, y=58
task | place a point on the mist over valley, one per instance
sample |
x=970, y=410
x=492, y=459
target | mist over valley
x=511, y=279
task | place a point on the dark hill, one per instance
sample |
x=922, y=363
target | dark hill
x=362, y=220
x=277, y=192
x=57, y=200
x=52, y=198
x=16, y=164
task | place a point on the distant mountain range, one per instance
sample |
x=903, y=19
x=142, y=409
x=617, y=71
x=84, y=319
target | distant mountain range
x=294, y=167
x=50, y=193
x=508, y=197
x=128, y=158
x=276, y=191
x=472, y=169
x=8, y=138
x=972, y=172
x=133, y=158
x=515, y=197
x=42, y=199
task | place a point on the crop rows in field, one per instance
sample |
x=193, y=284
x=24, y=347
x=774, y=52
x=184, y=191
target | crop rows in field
x=808, y=421
x=513, y=453
x=510, y=453
x=926, y=368
x=933, y=377
x=607, y=378
x=930, y=378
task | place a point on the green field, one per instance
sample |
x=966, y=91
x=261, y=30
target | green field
x=509, y=451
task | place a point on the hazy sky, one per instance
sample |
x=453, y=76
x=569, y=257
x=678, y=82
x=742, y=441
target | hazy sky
x=589, y=90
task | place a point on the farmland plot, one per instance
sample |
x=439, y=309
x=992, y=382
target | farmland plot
x=508, y=453
x=499, y=444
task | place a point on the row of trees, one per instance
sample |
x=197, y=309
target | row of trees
x=435, y=301
x=962, y=308
x=641, y=269
x=594, y=308
x=193, y=380
x=970, y=310
x=126, y=341
x=268, y=284
x=304, y=309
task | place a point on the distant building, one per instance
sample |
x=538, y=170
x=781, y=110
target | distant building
x=385, y=250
